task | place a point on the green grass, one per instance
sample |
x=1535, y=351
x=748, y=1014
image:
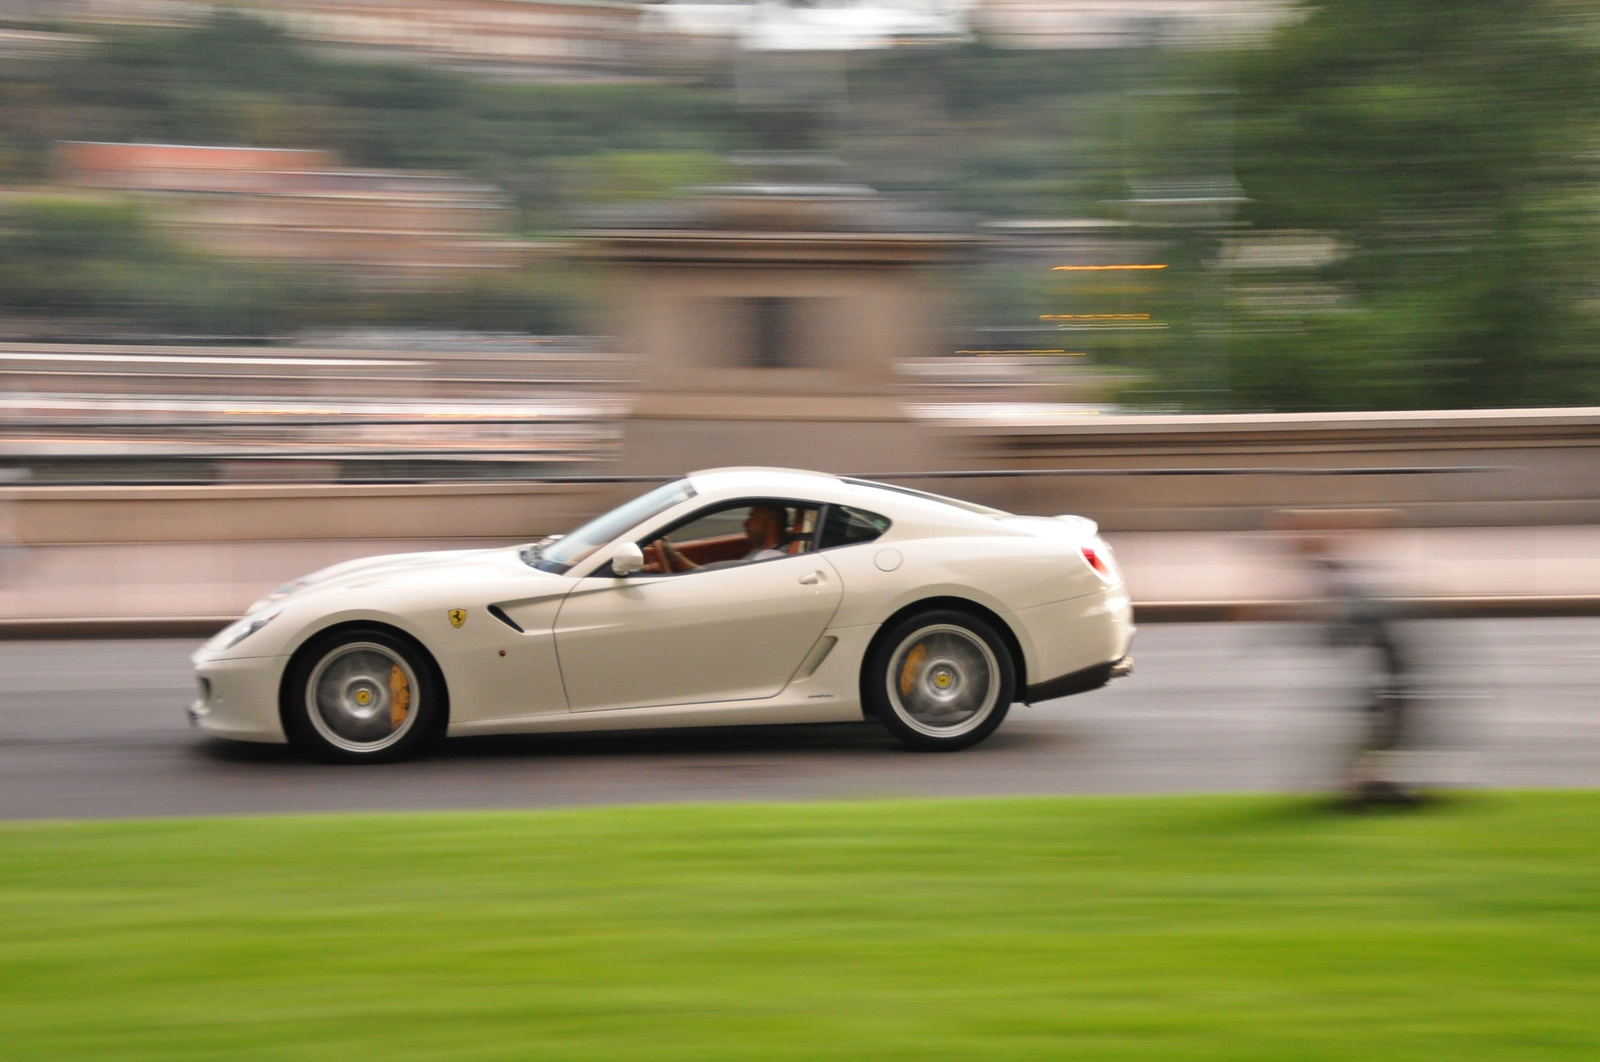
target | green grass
x=1192, y=928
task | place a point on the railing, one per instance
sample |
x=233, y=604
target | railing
x=99, y=415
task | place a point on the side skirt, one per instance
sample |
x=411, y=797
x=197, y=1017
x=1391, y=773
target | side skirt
x=725, y=713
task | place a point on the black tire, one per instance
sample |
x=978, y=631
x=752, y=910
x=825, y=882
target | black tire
x=939, y=680
x=363, y=695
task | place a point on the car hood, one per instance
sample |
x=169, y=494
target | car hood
x=386, y=583
x=456, y=565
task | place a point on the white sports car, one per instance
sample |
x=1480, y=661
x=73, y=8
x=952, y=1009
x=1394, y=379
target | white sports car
x=737, y=595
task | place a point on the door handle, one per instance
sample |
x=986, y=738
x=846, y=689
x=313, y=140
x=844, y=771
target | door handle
x=811, y=579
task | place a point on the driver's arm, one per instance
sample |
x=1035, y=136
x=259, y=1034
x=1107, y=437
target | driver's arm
x=676, y=562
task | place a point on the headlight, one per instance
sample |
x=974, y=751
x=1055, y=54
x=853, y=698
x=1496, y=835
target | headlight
x=278, y=595
x=242, y=629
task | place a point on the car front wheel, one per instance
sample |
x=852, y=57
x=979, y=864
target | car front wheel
x=363, y=695
x=940, y=680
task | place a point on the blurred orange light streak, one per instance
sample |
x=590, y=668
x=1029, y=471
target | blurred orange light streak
x=1097, y=269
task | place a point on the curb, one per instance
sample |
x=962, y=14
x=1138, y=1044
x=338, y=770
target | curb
x=18, y=630
x=1508, y=607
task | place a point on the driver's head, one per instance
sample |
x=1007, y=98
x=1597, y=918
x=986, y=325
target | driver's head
x=764, y=526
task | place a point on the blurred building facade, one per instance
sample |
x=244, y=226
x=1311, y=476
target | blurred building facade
x=1126, y=23
x=300, y=205
x=607, y=39
x=554, y=38
x=768, y=321
x=840, y=25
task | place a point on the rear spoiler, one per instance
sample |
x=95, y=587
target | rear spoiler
x=1087, y=527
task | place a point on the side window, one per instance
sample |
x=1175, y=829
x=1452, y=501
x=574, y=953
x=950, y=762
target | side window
x=736, y=533
x=844, y=526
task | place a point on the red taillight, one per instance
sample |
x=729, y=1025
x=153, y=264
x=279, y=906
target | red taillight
x=1095, y=562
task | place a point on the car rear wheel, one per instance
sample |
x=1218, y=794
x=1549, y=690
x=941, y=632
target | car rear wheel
x=940, y=680
x=363, y=695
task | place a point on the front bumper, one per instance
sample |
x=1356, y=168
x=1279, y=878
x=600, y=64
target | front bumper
x=239, y=699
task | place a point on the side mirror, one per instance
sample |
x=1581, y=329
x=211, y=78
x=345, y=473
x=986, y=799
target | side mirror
x=628, y=558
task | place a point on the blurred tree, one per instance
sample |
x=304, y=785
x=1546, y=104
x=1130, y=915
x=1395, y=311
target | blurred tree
x=1451, y=149
x=619, y=176
x=95, y=259
x=1004, y=133
x=239, y=81
x=94, y=263
x=1448, y=147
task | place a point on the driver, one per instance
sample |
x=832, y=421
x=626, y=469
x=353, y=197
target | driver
x=765, y=533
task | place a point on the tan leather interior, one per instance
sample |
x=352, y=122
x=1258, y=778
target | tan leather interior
x=703, y=551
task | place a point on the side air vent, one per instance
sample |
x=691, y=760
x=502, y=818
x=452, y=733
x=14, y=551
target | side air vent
x=500, y=614
x=814, y=659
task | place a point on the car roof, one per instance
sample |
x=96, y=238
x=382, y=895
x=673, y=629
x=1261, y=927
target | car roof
x=757, y=480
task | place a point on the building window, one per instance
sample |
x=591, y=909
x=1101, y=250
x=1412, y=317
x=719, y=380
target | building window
x=772, y=335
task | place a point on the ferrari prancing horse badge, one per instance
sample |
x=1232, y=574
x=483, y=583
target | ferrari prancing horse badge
x=458, y=616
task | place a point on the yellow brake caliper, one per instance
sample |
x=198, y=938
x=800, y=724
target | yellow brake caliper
x=908, y=674
x=399, y=697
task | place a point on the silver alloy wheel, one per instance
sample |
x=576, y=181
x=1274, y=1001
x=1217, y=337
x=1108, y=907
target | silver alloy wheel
x=943, y=680
x=361, y=697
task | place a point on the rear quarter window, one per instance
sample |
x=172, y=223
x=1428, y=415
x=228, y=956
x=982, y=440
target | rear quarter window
x=843, y=525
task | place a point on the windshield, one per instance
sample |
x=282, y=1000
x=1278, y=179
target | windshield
x=563, y=553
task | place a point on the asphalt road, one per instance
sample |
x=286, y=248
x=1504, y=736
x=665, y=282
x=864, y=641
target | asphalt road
x=96, y=729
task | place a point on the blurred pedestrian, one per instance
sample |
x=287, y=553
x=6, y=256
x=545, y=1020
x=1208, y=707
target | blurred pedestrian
x=1358, y=612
